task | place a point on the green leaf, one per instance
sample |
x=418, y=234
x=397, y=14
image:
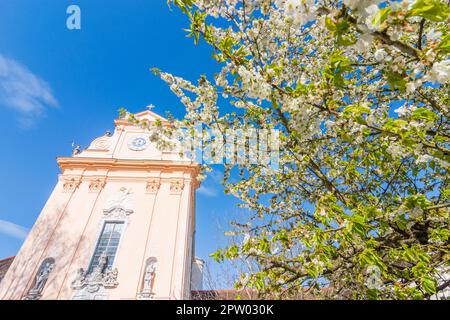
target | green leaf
x=344, y=40
x=218, y=256
x=424, y=114
x=122, y=113
x=184, y=5
x=355, y=111
x=429, y=284
x=444, y=46
x=381, y=16
x=337, y=66
x=330, y=24
x=232, y=252
x=396, y=80
x=434, y=10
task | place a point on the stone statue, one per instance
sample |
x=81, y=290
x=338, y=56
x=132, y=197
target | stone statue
x=100, y=278
x=40, y=280
x=80, y=278
x=110, y=277
x=42, y=277
x=120, y=199
x=149, y=276
x=102, y=261
x=119, y=204
x=98, y=272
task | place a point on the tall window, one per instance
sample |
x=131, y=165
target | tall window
x=108, y=242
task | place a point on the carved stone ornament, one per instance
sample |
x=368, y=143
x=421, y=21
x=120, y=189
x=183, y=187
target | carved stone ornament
x=176, y=186
x=87, y=285
x=119, y=205
x=102, y=143
x=40, y=279
x=96, y=185
x=71, y=184
x=153, y=185
x=147, y=282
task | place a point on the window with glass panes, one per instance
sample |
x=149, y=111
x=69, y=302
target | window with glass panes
x=108, y=242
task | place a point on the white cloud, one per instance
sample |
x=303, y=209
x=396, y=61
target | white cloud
x=24, y=92
x=13, y=230
x=206, y=191
x=216, y=176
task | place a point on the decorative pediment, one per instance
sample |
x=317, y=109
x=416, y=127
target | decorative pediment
x=143, y=116
x=117, y=212
x=102, y=143
x=119, y=204
x=149, y=116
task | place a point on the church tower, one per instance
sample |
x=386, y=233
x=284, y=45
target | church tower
x=119, y=224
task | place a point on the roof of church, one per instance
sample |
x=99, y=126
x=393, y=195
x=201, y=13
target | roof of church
x=149, y=114
x=146, y=115
x=4, y=266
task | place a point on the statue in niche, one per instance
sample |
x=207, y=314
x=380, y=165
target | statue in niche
x=41, y=279
x=149, y=276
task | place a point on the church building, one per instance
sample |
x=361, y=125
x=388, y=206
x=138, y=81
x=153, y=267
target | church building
x=119, y=224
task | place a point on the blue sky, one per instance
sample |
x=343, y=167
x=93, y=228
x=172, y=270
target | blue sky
x=59, y=85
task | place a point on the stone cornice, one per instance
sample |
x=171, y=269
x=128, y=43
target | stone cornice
x=129, y=164
x=110, y=163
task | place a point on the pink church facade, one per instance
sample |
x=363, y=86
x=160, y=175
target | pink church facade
x=119, y=224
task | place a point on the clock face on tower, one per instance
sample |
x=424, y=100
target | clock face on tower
x=138, y=143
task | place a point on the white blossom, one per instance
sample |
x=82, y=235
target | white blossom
x=371, y=12
x=364, y=42
x=424, y=158
x=440, y=72
x=380, y=54
x=404, y=110
x=301, y=11
x=395, y=150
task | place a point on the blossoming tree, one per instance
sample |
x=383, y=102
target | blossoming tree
x=360, y=93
